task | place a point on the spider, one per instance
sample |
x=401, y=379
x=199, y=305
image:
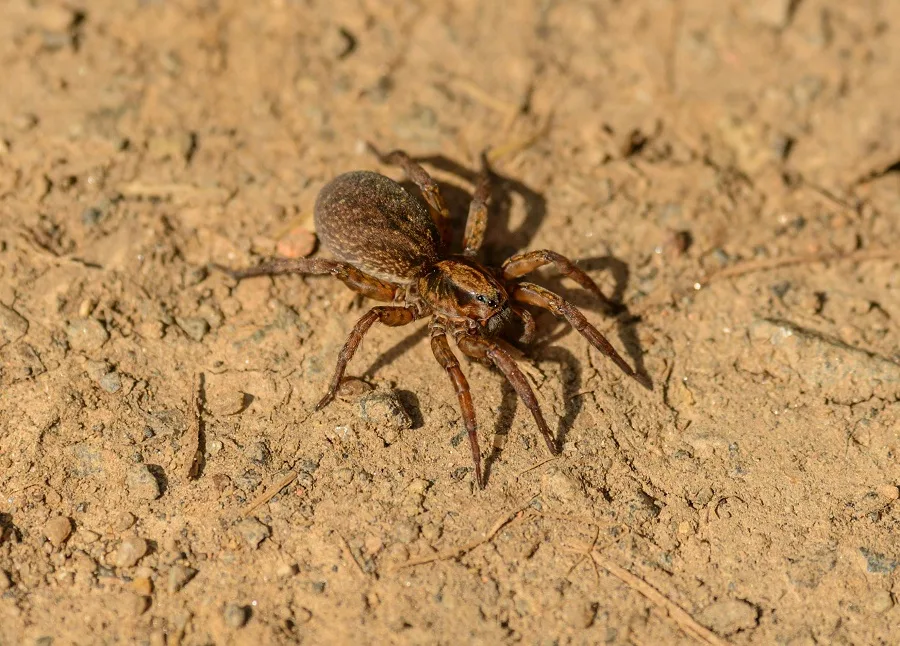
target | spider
x=392, y=248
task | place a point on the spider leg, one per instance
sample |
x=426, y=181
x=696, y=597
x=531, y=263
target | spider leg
x=541, y=297
x=391, y=316
x=352, y=277
x=477, y=220
x=528, y=325
x=450, y=363
x=482, y=348
x=526, y=262
x=440, y=214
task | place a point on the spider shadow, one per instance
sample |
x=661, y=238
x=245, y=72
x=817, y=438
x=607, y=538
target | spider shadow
x=625, y=321
x=509, y=404
x=502, y=239
x=396, y=351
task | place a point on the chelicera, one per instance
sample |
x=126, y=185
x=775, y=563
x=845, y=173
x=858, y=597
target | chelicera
x=392, y=248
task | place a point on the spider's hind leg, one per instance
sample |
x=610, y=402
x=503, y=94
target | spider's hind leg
x=390, y=316
x=352, y=277
x=440, y=214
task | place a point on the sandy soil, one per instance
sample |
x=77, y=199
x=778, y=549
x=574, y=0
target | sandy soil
x=728, y=170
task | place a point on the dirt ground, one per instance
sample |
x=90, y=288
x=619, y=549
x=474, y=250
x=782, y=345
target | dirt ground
x=729, y=171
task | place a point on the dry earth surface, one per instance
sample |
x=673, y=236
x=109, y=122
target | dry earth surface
x=728, y=170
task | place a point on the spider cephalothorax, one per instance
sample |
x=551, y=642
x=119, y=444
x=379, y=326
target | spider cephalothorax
x=460, y=288
x=391, y=248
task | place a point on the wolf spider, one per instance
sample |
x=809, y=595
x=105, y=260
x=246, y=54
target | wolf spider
x=392, y=248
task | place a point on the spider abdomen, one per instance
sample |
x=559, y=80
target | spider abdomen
x=371, y=222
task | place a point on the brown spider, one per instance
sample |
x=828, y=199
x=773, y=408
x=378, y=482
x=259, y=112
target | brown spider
x=392, y=249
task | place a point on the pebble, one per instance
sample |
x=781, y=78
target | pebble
x=396, y=554
x=96, y=369
x=142, y=484
x=25, y=121
x=432, y=532
x=91, y=216
x=406, y=531
x=214, y=446
x=224, y=400
x=343, y=476
x=236, y=616
x=728, y=616
x=248, y=481
x=122, y=522
x=131, y=550
x=87, y=536
x=194, y=326
x=12, y=325
x=557, y=484
x=258, y=453
x=579, y=613
x=384, y=409
x=221, y=481
x=111, y=382
x=881, y=601
x=353, y=389
x=86, y=334
x=142, y=585
x=418, y=486
x=137, y=604
x=5, y=581
x=179, y=576
x=891, y=492
x=253, y=532
x=58, y=529
x=194, y=276
x=286, y=570
x=299, y=242
x=54, y=18
x=774, y=13
x=877, y=563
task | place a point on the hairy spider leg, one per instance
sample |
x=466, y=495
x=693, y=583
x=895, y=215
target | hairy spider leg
x=528, y=261
x=386, y=315
x=481, y=348
x=536, y=295
x=440, y=214
x=352, y=277
x=450, y=363
x=476, y=223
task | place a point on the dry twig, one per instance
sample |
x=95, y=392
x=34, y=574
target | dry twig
x=271, y=493
x=680, y=616
x=191, y=448
x=468, y=547
x=348, y=554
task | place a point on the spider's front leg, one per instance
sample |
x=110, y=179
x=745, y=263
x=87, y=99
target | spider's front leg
x=450, y=363
x=536, y=295
x=529, y=261
x=479, y=347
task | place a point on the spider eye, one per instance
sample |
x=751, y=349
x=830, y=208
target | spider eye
x=481, y=298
